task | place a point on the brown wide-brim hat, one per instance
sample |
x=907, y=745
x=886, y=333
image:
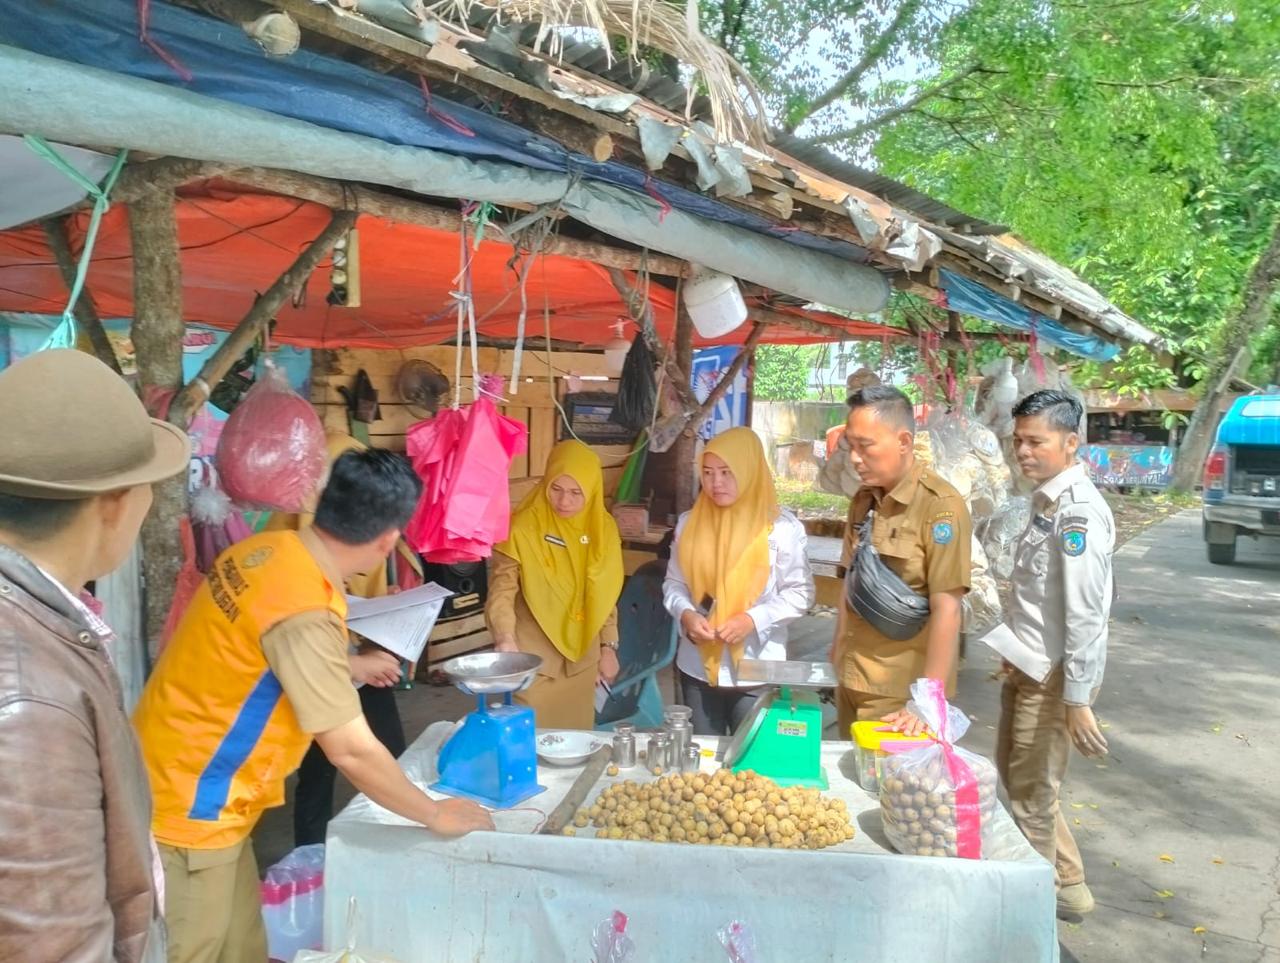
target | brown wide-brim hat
x=70, y=427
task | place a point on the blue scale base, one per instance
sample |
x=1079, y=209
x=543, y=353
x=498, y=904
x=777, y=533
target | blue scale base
x=492, y=758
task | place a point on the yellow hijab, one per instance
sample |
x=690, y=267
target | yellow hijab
x=570, y=568
x=724, y=552
x=371, y=585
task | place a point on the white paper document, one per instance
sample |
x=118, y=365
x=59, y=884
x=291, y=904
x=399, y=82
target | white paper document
x=1006, y=645
x=399, y=623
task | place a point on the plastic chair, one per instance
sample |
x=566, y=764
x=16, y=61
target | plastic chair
x=646, y=646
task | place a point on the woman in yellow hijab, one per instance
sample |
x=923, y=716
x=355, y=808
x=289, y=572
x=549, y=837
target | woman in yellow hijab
x=554, y=587
x=738, y=574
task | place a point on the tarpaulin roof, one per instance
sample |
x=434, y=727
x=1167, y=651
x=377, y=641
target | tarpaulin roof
x=342, y=96
x=235, y=245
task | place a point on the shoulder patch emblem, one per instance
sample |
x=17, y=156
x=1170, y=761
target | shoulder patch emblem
x=942, y=533
x=257, y=557
x=1073, y=542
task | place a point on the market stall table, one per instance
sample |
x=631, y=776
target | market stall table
x=515, y=895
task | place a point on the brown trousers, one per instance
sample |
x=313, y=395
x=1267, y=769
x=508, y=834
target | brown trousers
x=1032, y=753
x=854, y=707
x=213, y=905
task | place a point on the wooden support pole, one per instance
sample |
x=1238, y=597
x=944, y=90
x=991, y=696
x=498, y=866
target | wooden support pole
x=686, y=443
x=253, y=323
x=726, y=381
x=163, y=174
x=641, y=312
x=85, y=311
x=338, y=195
x=157, y=338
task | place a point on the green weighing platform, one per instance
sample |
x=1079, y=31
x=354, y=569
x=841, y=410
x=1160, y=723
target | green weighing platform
x=781, y=736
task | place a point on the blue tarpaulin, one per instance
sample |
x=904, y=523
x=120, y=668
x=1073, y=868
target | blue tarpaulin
x=226, y=64
x=970, y=297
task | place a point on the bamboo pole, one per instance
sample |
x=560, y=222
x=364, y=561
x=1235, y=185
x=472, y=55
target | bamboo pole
x=264, y=309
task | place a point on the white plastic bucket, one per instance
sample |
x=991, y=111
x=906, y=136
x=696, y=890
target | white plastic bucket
x=714, y=302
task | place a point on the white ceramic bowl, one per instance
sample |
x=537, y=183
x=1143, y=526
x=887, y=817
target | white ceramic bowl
x=568, y=748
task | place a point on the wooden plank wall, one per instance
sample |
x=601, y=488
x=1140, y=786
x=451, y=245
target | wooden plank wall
x=532, y=405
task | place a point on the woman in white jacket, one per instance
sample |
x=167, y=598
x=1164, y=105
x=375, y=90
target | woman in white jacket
x=738, y=575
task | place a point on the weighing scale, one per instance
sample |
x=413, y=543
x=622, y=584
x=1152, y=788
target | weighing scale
x=491, y=757
x=781, y=736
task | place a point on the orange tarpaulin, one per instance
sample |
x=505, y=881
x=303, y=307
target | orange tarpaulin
x=235, y=245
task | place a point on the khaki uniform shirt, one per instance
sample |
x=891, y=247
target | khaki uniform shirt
x=1062, y=587
x=508, y=613
x=923, y=532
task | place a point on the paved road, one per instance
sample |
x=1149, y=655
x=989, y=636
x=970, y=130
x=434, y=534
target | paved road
x=1192, y=702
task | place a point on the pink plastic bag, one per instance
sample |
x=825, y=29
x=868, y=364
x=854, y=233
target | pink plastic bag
x=463, y=458
x=272, y=451
x=293, y=903
x=611, y=942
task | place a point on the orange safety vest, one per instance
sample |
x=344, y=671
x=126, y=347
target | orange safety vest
x=218, y=738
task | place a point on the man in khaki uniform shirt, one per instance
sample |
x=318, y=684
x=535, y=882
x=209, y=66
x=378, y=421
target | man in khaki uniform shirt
x=922, y=531
x=1055, y=642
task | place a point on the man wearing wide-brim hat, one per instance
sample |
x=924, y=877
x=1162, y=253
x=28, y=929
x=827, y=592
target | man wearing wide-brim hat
x=78, y=457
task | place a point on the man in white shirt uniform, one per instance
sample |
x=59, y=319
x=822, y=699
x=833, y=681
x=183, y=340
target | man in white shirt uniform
x=1055, y=641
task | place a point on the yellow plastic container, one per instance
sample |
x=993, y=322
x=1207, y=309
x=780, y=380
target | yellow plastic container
x=867, y=737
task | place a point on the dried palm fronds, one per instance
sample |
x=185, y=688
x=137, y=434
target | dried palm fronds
x=640, y=23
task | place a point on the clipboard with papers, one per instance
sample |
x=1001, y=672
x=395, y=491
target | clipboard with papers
x=399, y=623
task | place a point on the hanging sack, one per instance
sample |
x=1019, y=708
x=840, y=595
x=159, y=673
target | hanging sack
x=272, y=451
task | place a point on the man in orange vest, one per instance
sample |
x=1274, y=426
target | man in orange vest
x=256, y=669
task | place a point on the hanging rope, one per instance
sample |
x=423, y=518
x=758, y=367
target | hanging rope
x=64, y=335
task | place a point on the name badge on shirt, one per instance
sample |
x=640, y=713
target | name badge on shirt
x=1043, y=522
x=555, y=541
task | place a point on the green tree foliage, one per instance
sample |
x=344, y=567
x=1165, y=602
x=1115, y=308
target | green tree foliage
x=1137, y=142
x=783, y=372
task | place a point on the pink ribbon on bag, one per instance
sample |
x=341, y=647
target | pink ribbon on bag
x=968, y=816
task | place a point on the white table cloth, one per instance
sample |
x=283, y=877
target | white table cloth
x=514, y=896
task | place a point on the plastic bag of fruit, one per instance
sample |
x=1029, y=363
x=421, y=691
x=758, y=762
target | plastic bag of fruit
x=272, y=451
x=937, y=799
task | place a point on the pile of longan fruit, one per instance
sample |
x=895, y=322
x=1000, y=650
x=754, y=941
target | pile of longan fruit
x=725, y=809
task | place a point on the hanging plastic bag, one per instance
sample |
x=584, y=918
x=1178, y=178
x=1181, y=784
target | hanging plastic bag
x=610, y=941
x=349, y=954
x=215, y=522
x=937, y=799
x=463, y=457
x=637, y=391
x=1002, y=533
x=189, y=579
x=293, y=903
x=739, y=942
x=272, y=451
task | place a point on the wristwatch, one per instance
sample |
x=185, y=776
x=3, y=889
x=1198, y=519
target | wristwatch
x=610, y=645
